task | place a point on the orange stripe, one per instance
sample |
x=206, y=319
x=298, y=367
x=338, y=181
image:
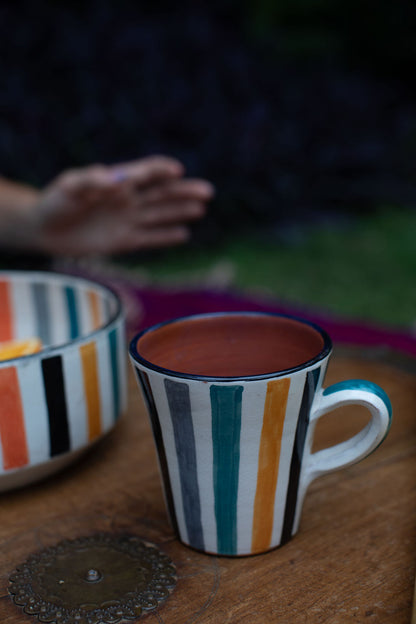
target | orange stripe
x=12, y=425
x=94, y=302
x=91, y=387
x=269, y=455
x=6, y=317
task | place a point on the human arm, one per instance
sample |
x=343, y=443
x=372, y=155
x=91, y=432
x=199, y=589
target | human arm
x=104, y=209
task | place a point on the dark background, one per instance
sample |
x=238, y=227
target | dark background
x=295, y=109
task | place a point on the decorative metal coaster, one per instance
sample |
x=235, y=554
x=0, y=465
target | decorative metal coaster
x=102, y=579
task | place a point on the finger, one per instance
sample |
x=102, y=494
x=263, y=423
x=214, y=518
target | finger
x=80, y=181
x=169, y=213
x=147, y=171
x=194, y=189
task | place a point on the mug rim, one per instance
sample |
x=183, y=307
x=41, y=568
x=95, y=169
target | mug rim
x=323, y=353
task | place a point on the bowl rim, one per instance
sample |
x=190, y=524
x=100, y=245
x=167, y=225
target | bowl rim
x=117, y=316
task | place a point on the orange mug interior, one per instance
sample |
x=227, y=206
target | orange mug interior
x=231, y=345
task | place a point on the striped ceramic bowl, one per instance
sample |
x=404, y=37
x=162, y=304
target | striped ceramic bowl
x=55, y=403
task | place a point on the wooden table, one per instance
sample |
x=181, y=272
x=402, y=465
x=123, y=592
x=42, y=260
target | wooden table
x=353, y=559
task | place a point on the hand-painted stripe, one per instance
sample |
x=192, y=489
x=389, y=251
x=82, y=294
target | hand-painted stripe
x=12, y=427
x=226, y=427
x=94, y=305
x=268, y=462
x=89, y=362
x=6, y=313
x=143, y=380
x=53, y=379
x=42, y=312
x=115, y=376
x=74, y=330
x=180, y=410
x=58, y=314
x=311, y=382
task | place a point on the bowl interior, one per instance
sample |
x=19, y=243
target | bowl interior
x=56, y=308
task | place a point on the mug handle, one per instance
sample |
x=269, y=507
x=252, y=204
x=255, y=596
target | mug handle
x=356, y=448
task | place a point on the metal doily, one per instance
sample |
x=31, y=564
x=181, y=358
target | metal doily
x=102, y=579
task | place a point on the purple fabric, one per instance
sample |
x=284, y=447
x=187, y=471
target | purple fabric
x=147, y=306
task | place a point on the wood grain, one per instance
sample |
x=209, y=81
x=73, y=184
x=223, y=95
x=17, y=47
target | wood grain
x=353, y=559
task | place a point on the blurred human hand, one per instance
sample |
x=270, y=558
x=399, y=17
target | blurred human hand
x=101, y=209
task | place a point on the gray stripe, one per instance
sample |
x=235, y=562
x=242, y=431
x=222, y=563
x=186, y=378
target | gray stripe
x=42, y=312
x=180, y=410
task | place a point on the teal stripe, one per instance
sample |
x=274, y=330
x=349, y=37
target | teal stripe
x=113, y=340
x=226, y=428
x=361, y=384
x=72, y=312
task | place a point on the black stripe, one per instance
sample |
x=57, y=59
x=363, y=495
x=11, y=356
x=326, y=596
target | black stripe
x=157, y=435
x=299, y=445
x=53, y=379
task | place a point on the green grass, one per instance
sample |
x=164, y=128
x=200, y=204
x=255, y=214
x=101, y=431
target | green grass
x=365, y=270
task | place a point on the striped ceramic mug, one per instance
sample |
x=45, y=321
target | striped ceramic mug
x=233, y=400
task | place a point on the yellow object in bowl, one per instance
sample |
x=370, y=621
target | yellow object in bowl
x=18, y=348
